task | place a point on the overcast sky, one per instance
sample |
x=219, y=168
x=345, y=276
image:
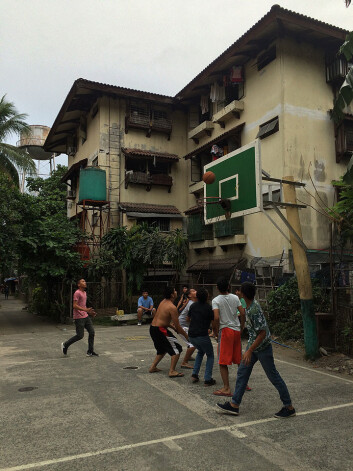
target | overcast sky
x=150, y=45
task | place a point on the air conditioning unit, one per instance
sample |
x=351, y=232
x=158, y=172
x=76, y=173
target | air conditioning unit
x=71, y=151
x=71, y=194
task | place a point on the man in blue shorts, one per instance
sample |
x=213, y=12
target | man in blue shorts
x=144, y=306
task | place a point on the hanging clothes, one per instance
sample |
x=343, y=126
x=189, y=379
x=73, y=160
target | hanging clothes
x=217, y=92
x=236, y=74
x=204, y=104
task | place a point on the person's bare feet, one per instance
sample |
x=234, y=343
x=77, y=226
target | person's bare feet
x=222, y=392
x=154, y=370
x=186, y=365
x=175, y=374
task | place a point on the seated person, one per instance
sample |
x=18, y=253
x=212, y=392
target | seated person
x=144, y=306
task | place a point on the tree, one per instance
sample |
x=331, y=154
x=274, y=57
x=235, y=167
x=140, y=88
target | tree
x=11, y=222
x=137, y=249
x=47, y=243
x=13, y=159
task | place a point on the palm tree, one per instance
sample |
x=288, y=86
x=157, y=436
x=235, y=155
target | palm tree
x=13, y=159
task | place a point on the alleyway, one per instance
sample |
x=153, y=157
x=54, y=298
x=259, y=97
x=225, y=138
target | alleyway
x=15, y=319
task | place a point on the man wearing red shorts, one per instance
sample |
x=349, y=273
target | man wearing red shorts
x=228, y=329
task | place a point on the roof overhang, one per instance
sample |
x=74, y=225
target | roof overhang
x=150, y=210
x=74, y=170
x=232, y=132
x=80, y=99
x=215, y=264
x=137, y=215
x=278, y=22
x=148, y=154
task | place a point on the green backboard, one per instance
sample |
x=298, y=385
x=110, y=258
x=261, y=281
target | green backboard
x=238, y=179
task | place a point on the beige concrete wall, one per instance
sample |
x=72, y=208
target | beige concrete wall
x=292, y=87
x=105, y=138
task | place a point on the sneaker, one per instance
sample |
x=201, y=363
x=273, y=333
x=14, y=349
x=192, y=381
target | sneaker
x=210, y=382
x=139, y=323
x=285, y=413
x=92, y=354
x=195, y=378
x=248, y=388
x=228, y=409
x=64, y=349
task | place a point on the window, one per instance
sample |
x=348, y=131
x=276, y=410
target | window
x=266, y=57
x=234, y=91
x=156, y=168
x=268, y=128
x=163, y=224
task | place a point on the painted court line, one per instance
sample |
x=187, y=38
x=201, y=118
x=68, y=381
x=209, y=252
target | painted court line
x=313, y=370
x=107, y=451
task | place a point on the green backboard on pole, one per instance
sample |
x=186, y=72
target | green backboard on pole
x=238, y=179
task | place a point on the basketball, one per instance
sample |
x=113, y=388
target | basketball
x=208, y=177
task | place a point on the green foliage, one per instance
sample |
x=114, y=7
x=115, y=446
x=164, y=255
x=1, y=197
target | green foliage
x=345, y=95
x=12, y=158
x=136, y=250
x=342, y=211
x=46, y=245
x=11, y=221
x=285, y=318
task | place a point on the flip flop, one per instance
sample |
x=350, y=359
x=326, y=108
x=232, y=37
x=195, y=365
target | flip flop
x=188, y=367
x=221, y=393
x=179, y=375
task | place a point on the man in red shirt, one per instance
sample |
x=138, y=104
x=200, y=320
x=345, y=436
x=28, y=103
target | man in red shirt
x=82, y=320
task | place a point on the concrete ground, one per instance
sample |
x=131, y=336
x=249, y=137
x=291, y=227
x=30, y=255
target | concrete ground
x=92, y=414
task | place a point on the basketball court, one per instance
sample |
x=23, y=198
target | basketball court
x=110, y=414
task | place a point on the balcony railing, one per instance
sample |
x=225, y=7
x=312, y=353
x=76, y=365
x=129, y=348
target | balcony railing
x=197, y=230
x=229, y=227
x=148, y=119
x=142, y=178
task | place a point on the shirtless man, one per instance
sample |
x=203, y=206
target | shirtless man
x=164, y=341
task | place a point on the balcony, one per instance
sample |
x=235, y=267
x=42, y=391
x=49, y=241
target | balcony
x=229, y=112
x=203, y=129
x=142, y=178
x=147, y=118
x=229, y=227
x=197, y=230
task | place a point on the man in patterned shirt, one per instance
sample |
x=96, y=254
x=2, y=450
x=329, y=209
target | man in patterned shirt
x=259, y=348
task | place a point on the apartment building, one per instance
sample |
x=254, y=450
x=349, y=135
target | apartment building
x=276, y=83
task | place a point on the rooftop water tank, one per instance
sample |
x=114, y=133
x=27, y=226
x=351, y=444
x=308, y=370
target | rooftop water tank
x=93, y=184
x=34, y=142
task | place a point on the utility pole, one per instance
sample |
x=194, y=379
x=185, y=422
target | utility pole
x=302, y=271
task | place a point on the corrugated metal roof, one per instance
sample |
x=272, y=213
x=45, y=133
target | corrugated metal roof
x=194, y=210
x=214, y=264
x=149, y=153
x=149, y=208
